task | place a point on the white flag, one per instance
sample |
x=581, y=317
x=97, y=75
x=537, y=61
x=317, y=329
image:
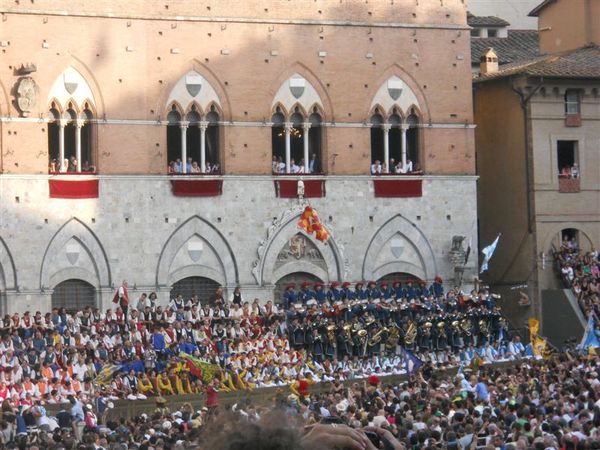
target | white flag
x=488, y=252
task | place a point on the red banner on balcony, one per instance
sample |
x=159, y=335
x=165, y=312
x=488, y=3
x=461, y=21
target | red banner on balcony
x=197, y=188
x=289, y=188
x=73, y=188
x=398, y=188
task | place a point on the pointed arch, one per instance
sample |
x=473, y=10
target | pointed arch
x=194, y=107
x=377, y=109
x=316, y=108
x=265, y=270
x=8, y=272
x=411, y=253
x=395, y=70
x=219, y=94
x=54, y=269
x=172, y=266
x=301, y=110
x=82, y=92
x=306, y=73
x=283, y=110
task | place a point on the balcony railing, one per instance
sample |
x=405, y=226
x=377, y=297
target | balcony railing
x=568, y=185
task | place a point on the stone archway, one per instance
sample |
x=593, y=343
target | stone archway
x=8, y=275
x=399, y=246
x=75, y=252
x=279, y=254
x=196, y=248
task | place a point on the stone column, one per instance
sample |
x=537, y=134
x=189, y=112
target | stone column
x=306, y=127
x=203, y=126
x=62, y=123
x=288, y=149
x=403, y=129
x=184, y=126
x=386, y=147
x=79, y=124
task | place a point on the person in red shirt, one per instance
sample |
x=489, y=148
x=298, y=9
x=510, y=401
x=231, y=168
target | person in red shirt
x=212, y=398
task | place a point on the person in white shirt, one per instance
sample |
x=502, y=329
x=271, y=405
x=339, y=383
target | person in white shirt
x=376, y=168
x=294, y=168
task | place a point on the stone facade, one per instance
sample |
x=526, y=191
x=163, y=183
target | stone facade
x=138, y=231
x=124, y=72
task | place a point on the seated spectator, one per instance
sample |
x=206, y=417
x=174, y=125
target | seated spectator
x=195, y=168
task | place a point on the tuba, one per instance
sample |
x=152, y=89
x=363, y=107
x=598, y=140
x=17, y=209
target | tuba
x=331, y=334
x=441, y=326
x=348, y=333
x=465, y=324
x=411, y=334
x=393, y=338
x=376, y=338
x=484, y=328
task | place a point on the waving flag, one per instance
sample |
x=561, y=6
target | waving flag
x=590, y=341
x=104, y=377
x=488, y=252
x=412, y=362
x=199, y=368
x=310, y=223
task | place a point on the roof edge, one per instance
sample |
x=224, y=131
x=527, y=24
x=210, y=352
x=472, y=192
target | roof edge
x=536, y=11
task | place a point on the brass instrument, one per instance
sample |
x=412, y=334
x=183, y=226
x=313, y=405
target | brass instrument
x=362, y=333
x=441, y=326
x=465, y=324
x=484, y=328
x=369, y=321
x=393, y=338
x=428, y=325
x=348, y=333
x=331, y=334
x=411, y=334
x=376, y=338
x=456, y=325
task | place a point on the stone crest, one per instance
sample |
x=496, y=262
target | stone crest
x=297, y=85
x=394, y=88
x=193, y=84
x=397, y=247
x=70, y=82
x=72, y=250
x=195, y=249
x=27, y=95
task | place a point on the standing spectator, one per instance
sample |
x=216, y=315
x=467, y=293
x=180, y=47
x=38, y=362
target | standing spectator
x=313, y=164
x=376, y=168
x=121, y=298
x=77, y=417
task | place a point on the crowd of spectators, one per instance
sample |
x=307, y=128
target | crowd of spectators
x=395, y=167
x=580, y=272
x=546, y=405
x=193, y=167
x=278, y=165
x=569, y=171
x=69, y=165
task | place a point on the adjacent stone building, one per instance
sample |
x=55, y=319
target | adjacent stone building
x=99, y=98
x=538, y=151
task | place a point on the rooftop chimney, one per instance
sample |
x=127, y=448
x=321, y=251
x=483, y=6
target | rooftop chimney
x=488, y=62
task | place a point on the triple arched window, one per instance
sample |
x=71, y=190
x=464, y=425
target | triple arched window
x=394, y=143
x=70, y=124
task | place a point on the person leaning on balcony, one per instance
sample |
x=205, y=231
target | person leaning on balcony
x=376, y=168
x=195, y=168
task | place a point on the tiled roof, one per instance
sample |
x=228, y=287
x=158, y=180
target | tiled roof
x=583, y=62
x=486, y=21
x=519, y=45
x=536, y=11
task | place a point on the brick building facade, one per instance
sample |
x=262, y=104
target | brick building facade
x=126, y=89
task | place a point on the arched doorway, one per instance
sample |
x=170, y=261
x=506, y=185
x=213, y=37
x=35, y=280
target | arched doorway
x=203, y=287
x=74, y=295
x=572, y=238
x=297, y=278
x=402, y=277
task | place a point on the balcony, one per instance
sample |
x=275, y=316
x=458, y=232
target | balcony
x=568, y=185
x=194, y=185
x=73, y=185
x=288, y=188
x=397, y=186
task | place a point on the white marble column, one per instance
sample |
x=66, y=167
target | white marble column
x=79, y=124
x=203, y=126
x=288, y=147
x=386, y=147
x=184, y=126
x=62, y=123
x=403, y=129
x=306, y=127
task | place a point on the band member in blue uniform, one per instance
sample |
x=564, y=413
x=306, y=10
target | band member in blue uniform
x=398, y=291
x=386, y=291
x=305, y=293
x=411, y=291
x=289, y=296
x=347, y=293
x=437, y=288
x=334, y=294
x=372, y=290
x=320, y=294
x=360, y=293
